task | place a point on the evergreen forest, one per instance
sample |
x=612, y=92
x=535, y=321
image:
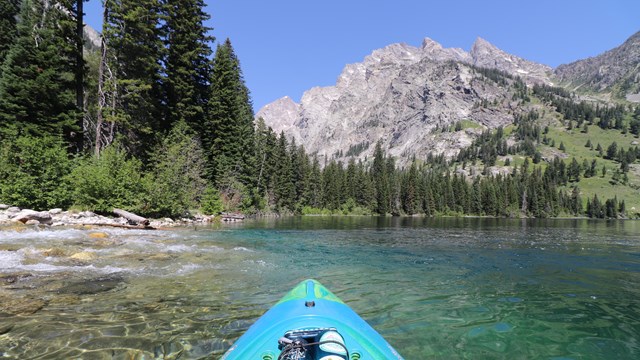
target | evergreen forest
x=159, y=121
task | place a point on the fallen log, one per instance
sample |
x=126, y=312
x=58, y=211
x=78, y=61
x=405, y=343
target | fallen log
x=133, y=218
x=139, y=227
x=231, y=216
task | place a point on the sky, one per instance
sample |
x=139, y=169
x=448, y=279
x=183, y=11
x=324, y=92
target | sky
x=286, y=47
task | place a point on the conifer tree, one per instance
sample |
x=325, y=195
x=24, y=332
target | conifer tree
x=37, y=87
x=8, y=26
x=188, y=64
x=229, y=126
x=380, y=180
x=134, y=50
x=283, y=187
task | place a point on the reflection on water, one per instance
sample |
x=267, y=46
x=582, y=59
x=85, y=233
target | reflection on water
x=435, y=288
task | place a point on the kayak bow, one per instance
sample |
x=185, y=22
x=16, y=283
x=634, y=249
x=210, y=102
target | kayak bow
x=311, y=323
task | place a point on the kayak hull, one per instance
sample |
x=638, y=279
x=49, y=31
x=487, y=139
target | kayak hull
x=310, y=305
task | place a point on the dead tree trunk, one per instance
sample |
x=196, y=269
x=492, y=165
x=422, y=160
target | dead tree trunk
x=131, y=217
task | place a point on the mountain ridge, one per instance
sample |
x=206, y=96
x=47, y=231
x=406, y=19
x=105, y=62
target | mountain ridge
x=402, y=95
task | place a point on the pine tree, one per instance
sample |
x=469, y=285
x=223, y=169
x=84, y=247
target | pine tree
x=177, y=171
x=8, y=26
x=573, y=171
x=380, y=180
x=188, y=64
x=409, y=190
x=134, y=51
x=37, y=87
x=229, y=125
x=612, y=151
x=284, y=189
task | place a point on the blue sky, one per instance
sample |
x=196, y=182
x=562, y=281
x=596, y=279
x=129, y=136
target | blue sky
x=286, y=47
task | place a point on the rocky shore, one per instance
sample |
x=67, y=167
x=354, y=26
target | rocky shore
x=59, y=217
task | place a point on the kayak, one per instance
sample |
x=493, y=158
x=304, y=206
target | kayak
x=311, y=323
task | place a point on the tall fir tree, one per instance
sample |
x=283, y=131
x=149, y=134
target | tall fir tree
x=228, y=133
x=380, y=181
x=188, y=64
x=8, y=26
x=37, y=87
x=132, y=38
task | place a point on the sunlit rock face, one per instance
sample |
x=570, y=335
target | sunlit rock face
x=405, y=97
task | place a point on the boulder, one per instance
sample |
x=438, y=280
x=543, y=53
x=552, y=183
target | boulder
x=4, y=207
x=55, y=211
x=13, y=209
x=43, y=217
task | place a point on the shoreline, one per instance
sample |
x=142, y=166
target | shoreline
x=58, y=217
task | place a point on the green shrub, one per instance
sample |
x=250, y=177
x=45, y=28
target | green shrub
x=112, y=180
x=32, y=173
x=211, y=203
x=176, y=181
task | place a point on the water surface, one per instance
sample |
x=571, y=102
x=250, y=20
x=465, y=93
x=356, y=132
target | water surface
x=434, y=288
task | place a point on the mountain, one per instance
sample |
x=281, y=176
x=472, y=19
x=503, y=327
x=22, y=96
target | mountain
x=409, y=98
x=404, y=96
x=617, y=71
x=91, y=39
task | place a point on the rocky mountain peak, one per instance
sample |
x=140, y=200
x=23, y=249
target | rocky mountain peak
x=616, y=70
x=435, y=51
x=485, y=54
x=281, y=114
x=404, y=96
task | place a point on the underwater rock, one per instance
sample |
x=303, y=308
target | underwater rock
x=84, y=256
x=92, y=286
x=98, y=235
x=5, y=328
x=54, y=252
x=20, y=306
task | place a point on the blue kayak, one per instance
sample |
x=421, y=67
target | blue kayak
x=311, y=323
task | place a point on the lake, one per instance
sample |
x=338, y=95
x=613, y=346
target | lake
x=451, y=288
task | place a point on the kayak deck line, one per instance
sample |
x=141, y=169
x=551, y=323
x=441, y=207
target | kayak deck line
x=308, y=312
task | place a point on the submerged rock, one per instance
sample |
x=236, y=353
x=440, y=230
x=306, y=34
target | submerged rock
x=20, y=306
x=84, y=256
x=54, y=252
x=98, y=235
x=92, y=286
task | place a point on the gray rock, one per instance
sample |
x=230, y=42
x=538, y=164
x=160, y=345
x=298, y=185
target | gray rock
x=13, y=209
x=55, y=211
x=87, y=214
x=43, y=217
x=485, y=54
x=617, y=66
x=4, y=207
x=401, y=95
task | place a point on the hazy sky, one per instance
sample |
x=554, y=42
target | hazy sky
x=286, y=47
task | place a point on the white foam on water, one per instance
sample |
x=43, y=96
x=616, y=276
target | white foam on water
x=180, y=248
x=10, y=259
x=188, y=268
x=241, y=248
x=37, y=234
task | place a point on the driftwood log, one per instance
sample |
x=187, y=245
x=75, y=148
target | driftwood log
x=143, y=227
x=232, y=216
x=133, y=218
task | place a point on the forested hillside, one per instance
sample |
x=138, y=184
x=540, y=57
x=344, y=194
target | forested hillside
x=166, y=128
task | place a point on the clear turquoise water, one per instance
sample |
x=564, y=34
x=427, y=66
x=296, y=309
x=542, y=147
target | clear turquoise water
x=434, y=288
